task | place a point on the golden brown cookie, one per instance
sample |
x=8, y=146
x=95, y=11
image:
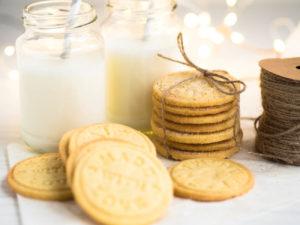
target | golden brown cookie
x=104, y=131
x=81, y=151
x=210, y=179
x=40, y=177
x=193, y=111
x=196, y=92
x=63, y=146
x=195, y=138
x=122, y=185
x=172, y=153
x=194, y=128
x=217, y=146
x=207, y=119
x=110, y=130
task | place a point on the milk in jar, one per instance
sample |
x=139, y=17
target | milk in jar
x=59, y=93
x=135, y=32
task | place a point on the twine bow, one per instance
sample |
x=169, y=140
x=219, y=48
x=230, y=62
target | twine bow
x=220, y=82
x=217, y=80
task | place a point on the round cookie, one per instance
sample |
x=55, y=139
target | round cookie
x=128, y=185
x=64, y=145
x=193, y=111
x=104, y=131
x=207, y=119
x=40, y=177
x=210, y=179
x=184, y=155
x=196, y=138
x=217, y=146
x=110, y=130
x=194, y=128
x=196, y=92
x=86, y=148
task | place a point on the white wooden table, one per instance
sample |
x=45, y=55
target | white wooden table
x=275, y=199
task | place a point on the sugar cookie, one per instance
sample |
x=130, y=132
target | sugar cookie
x=194, y=128
x=64, y=145
x=122, y=185
x=41, y=177
x=196, y=92
x=207, y=119
x=81, y=151
x=194, y=111
x=172, y=153
x=193, y=138
x=110, y=130
x=210, y=179
x=216, y=146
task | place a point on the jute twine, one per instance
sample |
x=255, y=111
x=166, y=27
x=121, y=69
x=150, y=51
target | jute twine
x=278, y=128
x=220, y=82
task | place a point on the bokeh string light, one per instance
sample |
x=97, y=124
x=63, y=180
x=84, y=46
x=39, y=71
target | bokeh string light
x=214, y=36
x=9, y=50
x=8, y=54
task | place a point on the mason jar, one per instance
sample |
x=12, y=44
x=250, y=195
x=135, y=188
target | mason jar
x=61, y=72
x=134, y=33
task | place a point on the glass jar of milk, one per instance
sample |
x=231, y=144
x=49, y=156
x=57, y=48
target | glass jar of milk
x=134, y=33
x=61, y=72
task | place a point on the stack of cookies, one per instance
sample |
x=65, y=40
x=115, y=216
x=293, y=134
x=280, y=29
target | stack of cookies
x=191, y=118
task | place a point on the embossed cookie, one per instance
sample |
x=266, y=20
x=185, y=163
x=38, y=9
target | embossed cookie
x=172, y=153
x=193, y=111
x=104, y=131
x=196, y=92
x=194, y=128
x=210, y=179
x=81, y=151
x=122, y=185
x=217, y=146
x=193, y=138
x=41, y=177
x=207, y=119
x=63, y=146
x=110, y=130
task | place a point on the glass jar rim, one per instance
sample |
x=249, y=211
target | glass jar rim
x=142, y=6
x=54, y=14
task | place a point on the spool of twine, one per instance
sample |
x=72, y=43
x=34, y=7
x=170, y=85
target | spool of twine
x=278, y=128
x=222, y=83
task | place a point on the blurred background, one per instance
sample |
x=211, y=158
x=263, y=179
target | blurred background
x=256, y=27
x=220, y=34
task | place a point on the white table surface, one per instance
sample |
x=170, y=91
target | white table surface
x=275, y=199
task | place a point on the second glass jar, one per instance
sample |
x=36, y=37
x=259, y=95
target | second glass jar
x=135, y=32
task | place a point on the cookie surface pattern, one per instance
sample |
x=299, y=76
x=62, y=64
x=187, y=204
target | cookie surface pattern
x=41, y=177
x=110, y=130
x=196, y=92
x=100, y=143
x=139, y=194
x=210, y=179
